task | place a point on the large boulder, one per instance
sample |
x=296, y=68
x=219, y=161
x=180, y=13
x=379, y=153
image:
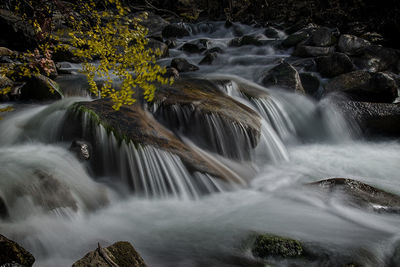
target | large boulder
x=40, y=87
x=12, y=254
x=283, y=75
x=361, y=194
x=175, y=30
x=376, y=58
x=351, y=45
x=119, y=254
x=334, y=65
x=295, y=38
x=365, y=86
x=324, y=37
x=214, y=120
x=134, y=125
x=375, y=119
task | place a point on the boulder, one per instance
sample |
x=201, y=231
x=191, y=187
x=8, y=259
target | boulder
x=295, y=38
x=310, y=83
x=334, y=65
x=209, y=58
x=361, y=194
x=283, y=75
x=182, y=65
x=196, y=46
x=245, y=40
x=134, y=125
x=213, y=120
x=365, y=86
x=375, y=119
x=40, y=87
x=303, y=50
x=119, y=254
x=175, y=30
x=271, y=32
x=12, y=254
x=351, y=45
x=324, y=37
x=157, y=45
x=216, y=49
x=267, y=245
x=376, y=58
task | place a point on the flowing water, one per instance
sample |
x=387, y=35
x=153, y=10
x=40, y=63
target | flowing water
x=59, y=207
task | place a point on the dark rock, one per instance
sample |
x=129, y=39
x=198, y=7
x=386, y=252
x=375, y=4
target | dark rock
x=134, y=124
x=196, y=46
x=310, y=83
x=170, y=43
x=160, y=46
x=66, y=53
x=364, y=86
x=82, y=149
x=4, y=51
x=40, y=87
x=176, y=30
x=182, y=65
x=334, y=65
x=11, y=253
x=5, y=82
x=209, y=58
x=324, y=37
x=305, y=64
x=215, y=50
x=312, y=51
x=283, y=75
x=296, y=38
x=271, y=32
x=351, y=45
x=245, y=40
x=377, y=58
x=154, y=23
x=361, y=194
x=267, y=245
x=17, y=34
x=375, y=119
x=121, y=254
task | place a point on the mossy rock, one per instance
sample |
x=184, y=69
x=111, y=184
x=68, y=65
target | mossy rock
x=11, y=252
x=267, y=245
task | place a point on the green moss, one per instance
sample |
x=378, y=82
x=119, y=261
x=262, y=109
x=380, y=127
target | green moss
x=125, y=255
x=267, y=245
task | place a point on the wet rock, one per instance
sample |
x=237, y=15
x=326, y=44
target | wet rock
x=283, y=75
x=82, y=149
x=119, y=254
x=334, y=65
x=310, y=83
x=296, y=38
x=11, y=253
x=196, y=46
x=365, y=86
x=182, y=65
x=134, y=124
x=209, y=115
x=245, y=40
x=303, y=50
x=351, y=45
x=172, y=72
x=271, y=32
x=3, y=209
x=361, y=194
x=377, y=58
x=305, y=64
x=40, y=87
x=215, y=50
x=209, y=58
x=175, y=30
x=157, y=45
x=267, y=245
x=324, y=37
x=375, y=119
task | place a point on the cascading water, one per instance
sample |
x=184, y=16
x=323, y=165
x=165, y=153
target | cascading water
x=148, y=196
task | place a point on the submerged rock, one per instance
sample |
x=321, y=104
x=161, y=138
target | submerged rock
x=375, y=119
x=362, y=194
x=283, y=75
x=267, y=245
x=365, y=86
x=12, y=254
x=119, y=254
